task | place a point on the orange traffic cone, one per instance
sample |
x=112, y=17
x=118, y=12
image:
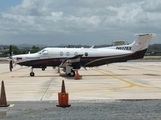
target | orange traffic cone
x=63, y=97
x=3, y=100
x=77, y=76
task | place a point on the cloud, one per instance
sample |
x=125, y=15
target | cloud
x=76, y=21
x=55, y=16
x=152, y=6
x=29, y=7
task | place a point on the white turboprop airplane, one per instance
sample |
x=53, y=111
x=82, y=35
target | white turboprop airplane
x=72, y=59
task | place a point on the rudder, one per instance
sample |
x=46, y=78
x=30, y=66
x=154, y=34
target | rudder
x=142, y=42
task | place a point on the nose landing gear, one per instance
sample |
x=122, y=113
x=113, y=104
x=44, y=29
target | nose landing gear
x=32, y=74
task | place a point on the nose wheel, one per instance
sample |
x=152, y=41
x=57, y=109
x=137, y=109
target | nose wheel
x=32, y=74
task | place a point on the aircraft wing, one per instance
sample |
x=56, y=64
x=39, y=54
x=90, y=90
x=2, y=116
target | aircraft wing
x=71, y=61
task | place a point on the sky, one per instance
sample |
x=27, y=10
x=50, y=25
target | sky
x=85, y=22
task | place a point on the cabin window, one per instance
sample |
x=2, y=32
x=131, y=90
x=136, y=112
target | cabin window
x=61, y=53
x=86, y=54
x=67, y=53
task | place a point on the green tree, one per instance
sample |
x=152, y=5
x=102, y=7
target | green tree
x=70, y=46
x=35, y=49
x=15, y=49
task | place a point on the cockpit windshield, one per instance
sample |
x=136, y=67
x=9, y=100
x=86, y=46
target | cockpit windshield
x=42, y=52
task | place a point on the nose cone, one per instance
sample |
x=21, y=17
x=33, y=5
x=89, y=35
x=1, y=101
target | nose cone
x=24, y=57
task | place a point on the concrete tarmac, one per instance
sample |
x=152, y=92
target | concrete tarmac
x=120, y=91
x=130, y=80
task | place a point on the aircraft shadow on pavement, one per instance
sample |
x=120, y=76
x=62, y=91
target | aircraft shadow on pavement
x=96, y=75
x=67, y=77
x=52, y=76
x=35, y=76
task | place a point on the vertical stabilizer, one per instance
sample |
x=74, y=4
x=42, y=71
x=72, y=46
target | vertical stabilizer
x=142, y=42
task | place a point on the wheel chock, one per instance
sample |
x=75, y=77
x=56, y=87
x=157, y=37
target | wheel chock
x=77, y=76
x=63, y=97
x=3, y=100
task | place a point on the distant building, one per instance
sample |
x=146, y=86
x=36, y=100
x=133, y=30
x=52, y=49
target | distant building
x=121, y=42
x=2, y=52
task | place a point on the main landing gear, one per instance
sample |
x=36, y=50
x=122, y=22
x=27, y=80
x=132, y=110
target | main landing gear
x=72, y=73
x=69, y=71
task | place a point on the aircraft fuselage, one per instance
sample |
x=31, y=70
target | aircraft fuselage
x=91, y=57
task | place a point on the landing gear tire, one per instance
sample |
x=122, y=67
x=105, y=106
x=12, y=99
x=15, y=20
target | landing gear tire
x=72, y=73
x=43, y=69
x=32, y=74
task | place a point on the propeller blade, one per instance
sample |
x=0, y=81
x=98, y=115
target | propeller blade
x=11, y=62
x=11, y=65
x=10, y=50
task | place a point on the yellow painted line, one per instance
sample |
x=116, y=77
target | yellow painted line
x=11, y=105
x=121, y=79
x=116, y=88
